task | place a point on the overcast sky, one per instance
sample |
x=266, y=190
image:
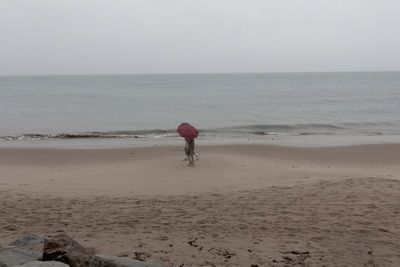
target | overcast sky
x=192, y=36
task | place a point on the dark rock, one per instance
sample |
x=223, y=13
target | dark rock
x=63, y=248
x=109, y=261
x=43, y=264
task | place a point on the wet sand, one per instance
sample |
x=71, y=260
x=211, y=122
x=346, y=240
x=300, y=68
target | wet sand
x=240, y=204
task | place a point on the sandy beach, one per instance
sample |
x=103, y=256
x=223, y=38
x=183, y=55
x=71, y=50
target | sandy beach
x=240, y=205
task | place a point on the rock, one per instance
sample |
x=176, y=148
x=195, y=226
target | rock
x=30, y=242
x=110, y=261
x=63, y=248
x=15, y=256
x=25, y=249
x=43, y=264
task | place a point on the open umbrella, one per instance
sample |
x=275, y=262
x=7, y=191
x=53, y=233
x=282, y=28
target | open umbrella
x=187, y=131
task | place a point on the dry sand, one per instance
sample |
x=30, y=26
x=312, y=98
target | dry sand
x=240, y=204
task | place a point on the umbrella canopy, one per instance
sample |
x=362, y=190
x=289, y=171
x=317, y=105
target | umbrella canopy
x=187, y=131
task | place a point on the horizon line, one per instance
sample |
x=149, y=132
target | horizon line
x=196, y=73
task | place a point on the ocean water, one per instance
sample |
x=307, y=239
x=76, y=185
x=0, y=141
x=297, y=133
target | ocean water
x=147, y=108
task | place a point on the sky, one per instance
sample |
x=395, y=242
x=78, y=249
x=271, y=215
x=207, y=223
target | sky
x=197, y=36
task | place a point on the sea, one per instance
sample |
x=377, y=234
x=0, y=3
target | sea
x=300, y=109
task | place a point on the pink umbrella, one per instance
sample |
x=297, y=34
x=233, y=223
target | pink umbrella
x=187, y=131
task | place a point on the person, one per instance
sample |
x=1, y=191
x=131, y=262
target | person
x=189, y=150
x=196, y=155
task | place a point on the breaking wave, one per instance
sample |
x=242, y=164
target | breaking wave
x=241, y=130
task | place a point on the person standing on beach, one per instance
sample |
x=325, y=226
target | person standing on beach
x=189, y=150
x=188, y=132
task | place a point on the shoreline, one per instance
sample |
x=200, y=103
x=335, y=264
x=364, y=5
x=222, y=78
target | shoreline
x=312, y=140
x=239, y=205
